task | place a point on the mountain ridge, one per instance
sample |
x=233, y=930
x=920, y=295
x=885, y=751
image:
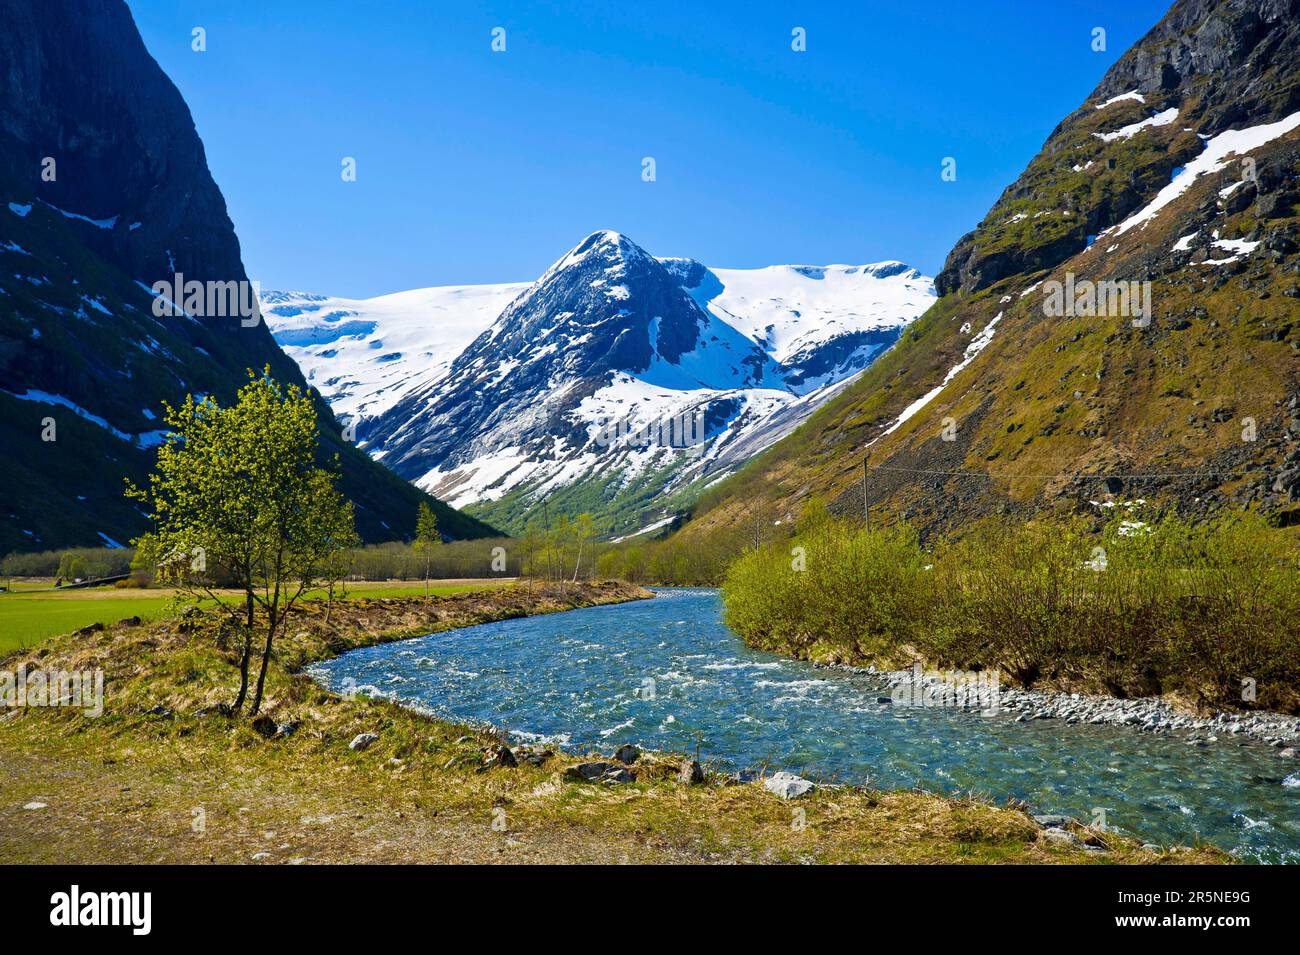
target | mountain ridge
x=104, y=191
x=607, y=333
x=1177, y=173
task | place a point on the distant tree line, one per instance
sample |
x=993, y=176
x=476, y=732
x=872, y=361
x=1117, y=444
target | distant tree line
x=70, y=563
x=569, y=547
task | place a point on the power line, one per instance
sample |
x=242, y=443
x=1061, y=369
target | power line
x=1068, y=474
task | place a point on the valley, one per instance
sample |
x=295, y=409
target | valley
x=561, y=389
x=429, y=551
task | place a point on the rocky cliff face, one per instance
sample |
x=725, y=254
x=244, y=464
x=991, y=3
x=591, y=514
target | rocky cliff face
x=104, y=190
x=1123, y=324
x=80, y=87
x=1221, y=64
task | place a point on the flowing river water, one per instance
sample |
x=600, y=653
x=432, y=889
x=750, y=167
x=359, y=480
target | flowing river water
x=667, y=674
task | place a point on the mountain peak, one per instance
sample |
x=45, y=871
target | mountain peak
x=603, y=247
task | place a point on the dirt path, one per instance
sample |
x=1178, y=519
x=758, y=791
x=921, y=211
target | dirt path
x=97, y=813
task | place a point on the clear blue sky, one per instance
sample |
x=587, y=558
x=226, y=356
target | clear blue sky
x=475, y=166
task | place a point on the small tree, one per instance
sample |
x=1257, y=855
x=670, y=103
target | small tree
x=633, y=558
x=583, y=531
x=339, y=527
x=558, y=537
x=529, y=546
x=72, y=566
x=427, y=538
x=236, y=495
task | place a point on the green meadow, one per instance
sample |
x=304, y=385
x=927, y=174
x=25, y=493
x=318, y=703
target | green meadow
x=27, y=617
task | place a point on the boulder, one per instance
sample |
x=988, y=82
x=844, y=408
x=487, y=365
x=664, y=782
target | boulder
x=787, y=785
x=588, y=772
x=691, y=773
x=533, y=757
x=499, y=755
x=627, y=754
x=1055, y=834
x=263, y=726
x=362, y=741
x=1053, y=821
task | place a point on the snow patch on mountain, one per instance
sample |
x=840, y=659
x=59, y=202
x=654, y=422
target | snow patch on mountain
x=364, y=355
x=1128, y=132
x=1215, y=157
x=977, y=345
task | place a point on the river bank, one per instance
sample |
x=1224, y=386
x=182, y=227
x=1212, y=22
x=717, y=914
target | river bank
x=1205, y=615
x=162, y=776
x=1280, y=731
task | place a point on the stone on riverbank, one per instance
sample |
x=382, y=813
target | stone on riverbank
x=588, y=772
x=618, y=775
x=1056, y=834
x=499, y=756
x=787, y=785
x=362, y=741
x=1052, y=821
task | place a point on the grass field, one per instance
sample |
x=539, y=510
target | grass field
x=26, y=618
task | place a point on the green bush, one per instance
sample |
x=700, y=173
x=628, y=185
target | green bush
x=1210, y=611
x=841, y=594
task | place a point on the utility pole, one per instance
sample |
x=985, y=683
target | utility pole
x=546, y=521
x=866, y=511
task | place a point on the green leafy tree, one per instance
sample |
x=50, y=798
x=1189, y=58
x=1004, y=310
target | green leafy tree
x=610, y=564
x=339, y=528
x=236, y=496
x=633, y=558
x=427, y=538
x=558, y=537
x=71, y=567
x=530, y=544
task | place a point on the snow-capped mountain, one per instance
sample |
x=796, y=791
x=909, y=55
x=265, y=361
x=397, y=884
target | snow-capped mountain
x=617, y=383
x=364, y=355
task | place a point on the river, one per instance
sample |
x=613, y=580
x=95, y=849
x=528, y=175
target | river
x=667, y=674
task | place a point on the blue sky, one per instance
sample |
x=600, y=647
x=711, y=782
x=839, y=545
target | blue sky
x=476, y=166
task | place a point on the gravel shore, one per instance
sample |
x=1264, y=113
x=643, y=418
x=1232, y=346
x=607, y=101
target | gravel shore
x=1148, y=714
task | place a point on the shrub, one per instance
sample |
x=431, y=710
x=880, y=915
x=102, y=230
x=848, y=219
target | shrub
x=1208, y=610
x=848, y=594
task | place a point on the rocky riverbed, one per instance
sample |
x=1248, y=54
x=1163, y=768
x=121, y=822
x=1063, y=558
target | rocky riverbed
x=1148, y=714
